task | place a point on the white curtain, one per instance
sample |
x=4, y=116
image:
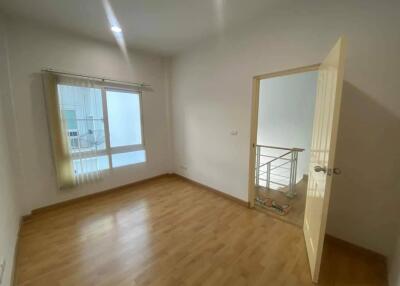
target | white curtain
x=80, y=129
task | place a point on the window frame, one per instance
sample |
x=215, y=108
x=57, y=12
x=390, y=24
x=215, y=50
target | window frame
x=126, y=148
x=108, y=150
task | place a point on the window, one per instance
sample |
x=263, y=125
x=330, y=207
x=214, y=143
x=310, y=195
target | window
x=124, y=107
x=103, y=127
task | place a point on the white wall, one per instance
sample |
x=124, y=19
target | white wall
x=286, y=115
x=9, y=208
x=211, y=95
x=35, y=47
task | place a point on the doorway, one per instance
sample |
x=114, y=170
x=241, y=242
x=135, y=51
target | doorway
x=323, y=146
x=283, y=131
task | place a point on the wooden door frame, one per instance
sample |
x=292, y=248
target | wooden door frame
x=254, y=119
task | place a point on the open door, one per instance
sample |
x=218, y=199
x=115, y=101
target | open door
x=322, y=158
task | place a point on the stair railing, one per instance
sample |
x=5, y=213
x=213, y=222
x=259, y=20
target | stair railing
x=276, y=168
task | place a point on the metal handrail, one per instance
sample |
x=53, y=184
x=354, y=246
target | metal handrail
x=282, y=148
x=282, y=176
x=279, y=179
x=275, y=159
x=283, y=164
x=283, y=185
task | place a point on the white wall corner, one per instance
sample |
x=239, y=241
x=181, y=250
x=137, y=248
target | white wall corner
x=168, y=112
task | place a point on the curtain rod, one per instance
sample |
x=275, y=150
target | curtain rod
x=140, y=84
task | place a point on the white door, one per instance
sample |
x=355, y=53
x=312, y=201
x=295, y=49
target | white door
x=326, y=121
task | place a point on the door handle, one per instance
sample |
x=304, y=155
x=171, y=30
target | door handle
x=320, y=169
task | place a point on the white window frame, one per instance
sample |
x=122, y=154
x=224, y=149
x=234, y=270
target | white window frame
x=127, y=148
x=109, y=151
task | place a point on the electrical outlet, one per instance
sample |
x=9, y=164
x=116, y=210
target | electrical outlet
x=2, y=268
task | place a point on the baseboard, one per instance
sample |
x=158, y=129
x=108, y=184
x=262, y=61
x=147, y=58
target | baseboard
x=217, y=192
x=90, y=196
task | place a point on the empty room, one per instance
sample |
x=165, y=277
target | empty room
x=199, y=142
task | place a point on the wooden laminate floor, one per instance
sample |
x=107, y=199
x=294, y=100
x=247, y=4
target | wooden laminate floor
x=170, y=232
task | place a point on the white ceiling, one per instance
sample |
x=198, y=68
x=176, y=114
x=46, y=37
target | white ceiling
x=162, y=26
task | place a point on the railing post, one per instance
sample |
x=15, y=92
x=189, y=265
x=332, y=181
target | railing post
x=268, y=175
x=293, y=174
x=295, y=170
x=291, y=185
x=258, y=156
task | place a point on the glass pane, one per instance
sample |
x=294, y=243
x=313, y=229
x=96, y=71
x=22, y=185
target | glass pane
x=129, y=158
x=88, y=165
x=82, y=113
x=124, y=118
x=70, y=118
